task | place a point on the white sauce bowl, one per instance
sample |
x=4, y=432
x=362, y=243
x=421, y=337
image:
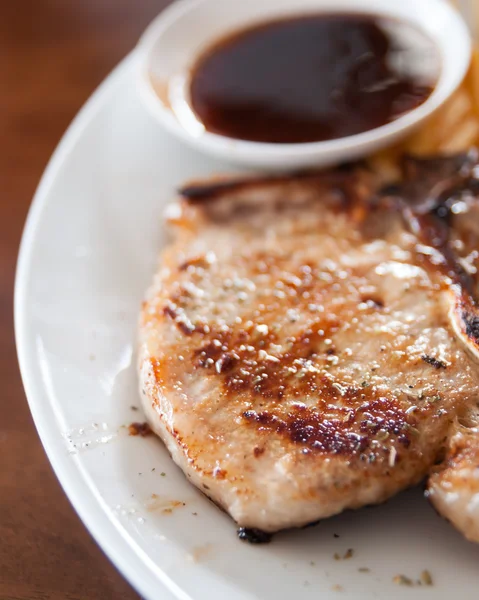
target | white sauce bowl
x=176, y=38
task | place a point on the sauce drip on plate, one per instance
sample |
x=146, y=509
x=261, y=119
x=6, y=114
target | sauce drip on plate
x=313, y=78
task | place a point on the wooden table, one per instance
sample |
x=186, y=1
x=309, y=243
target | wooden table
x=53, y=53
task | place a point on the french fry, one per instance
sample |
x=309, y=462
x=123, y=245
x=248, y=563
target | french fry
x=441, y=127
x=463, y=137
x=472, y=80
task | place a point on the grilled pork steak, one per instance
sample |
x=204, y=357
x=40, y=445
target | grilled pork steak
x=308, y=343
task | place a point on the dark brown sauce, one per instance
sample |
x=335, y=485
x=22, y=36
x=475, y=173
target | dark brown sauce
x=312, y=78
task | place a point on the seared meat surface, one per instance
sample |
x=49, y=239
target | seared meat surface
x=304, y=347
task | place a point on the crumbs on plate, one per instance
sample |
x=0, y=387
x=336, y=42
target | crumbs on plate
x=142, y=429
x=425, y=579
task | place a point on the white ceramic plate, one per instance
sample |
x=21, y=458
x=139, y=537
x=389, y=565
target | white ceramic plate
x=87, y=255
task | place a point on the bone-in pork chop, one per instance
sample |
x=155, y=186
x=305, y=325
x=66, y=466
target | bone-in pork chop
x=305, y=345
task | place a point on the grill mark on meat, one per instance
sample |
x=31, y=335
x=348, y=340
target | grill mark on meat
x=201, y=191
x=207, y=191
x=347, y=419
x=353, y=434
x=225, y=363
x=197, y=261
x=434, y=362
x=348, y=188
x=251, y=369
x=373, y=302
x=184, y=326
x=471, y=322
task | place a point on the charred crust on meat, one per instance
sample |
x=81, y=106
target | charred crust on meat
x=350, y=436
x=207, y=191
x=342, y=176
x=182, y=325
x=254, y=536
x=225, y=363
x=312, y=524
x=210, y=190
x=186, y=329
x=168, y=311
x=434, y=362
x=373, y=302
x=196, y=261
x=357, y=414
x=220, y=473
x=471, y=326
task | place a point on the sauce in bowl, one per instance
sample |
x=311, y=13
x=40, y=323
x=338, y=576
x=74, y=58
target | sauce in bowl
x=312, y=78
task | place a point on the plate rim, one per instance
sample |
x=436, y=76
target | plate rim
x=130, y=560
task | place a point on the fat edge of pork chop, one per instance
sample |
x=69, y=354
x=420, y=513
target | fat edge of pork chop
x=448, y=219
x=297, y=355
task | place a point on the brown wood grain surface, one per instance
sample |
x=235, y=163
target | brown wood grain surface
x=53, y=53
